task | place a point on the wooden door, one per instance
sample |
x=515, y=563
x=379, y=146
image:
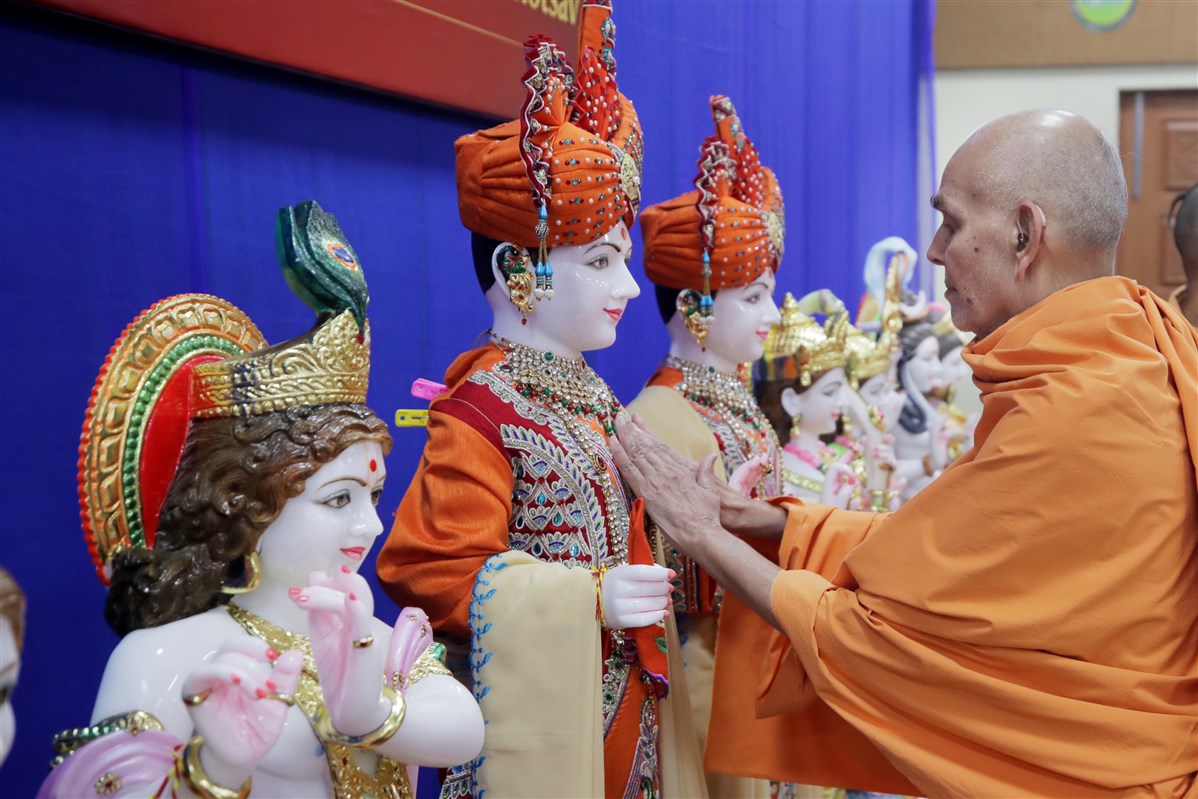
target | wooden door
x=1158, y=138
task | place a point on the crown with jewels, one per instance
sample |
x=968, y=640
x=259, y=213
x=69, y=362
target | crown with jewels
x=196, y=356
x=798, y=347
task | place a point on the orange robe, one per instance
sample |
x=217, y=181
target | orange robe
x=1028, y=624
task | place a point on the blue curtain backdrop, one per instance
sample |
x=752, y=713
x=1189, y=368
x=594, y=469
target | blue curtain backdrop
x=131, y=170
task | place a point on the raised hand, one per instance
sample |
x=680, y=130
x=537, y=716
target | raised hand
x=238, y=702
x=635, y=595
x=410, y=636
x=341, y=628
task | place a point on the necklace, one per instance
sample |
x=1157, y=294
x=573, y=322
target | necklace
x=557, y=382
x=725, y=396
x=577, y=396
x=390, y=780
x=805, y=455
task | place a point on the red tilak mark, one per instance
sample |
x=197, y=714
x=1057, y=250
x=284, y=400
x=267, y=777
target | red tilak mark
x=374, y=465
x=345, y=569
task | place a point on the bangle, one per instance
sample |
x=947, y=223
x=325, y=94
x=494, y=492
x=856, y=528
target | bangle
x=602, y=570
x=322, y=725
x=199, y=781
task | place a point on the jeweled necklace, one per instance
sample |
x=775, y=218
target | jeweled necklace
x=726, y=396
x=573, y=392
x=568, y=384
x=350, y=781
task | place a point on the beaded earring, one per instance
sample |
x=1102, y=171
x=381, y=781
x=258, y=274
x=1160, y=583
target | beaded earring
x=794, y=425
x=691, y=305
x=514, y=262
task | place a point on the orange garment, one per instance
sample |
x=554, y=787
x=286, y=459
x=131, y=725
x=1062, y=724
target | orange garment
x=1028, y=624
x=464, y=506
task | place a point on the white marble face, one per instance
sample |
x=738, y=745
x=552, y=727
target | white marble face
x=591, y=289
x=10, y=665
x=333, y=523
x=824, y=401
x=923, y=371
x=953, y=367
x=741, y=319
x=882, y=392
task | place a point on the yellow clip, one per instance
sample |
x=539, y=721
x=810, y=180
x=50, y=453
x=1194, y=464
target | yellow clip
x=411, y=418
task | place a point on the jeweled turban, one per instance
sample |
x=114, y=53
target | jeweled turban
x=575, y=151
x=735, y=214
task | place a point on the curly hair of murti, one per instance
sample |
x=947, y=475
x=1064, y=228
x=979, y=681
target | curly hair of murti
x=12, y=606
x=233, y=479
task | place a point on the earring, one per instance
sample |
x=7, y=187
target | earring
x=690, y=305
x=514, y=263
x=795, y=421
x=544, y=272
x=253, y=576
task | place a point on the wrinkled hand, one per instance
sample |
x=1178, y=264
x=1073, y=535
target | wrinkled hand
x=238, y=701
x=747, y=476
x=340, y=623
x=635, y=595
x=665, y=480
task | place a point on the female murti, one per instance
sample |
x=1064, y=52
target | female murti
x=229, y=497
x=712, y=254
x=920, y=442
x=800, y=383
x=517, y=534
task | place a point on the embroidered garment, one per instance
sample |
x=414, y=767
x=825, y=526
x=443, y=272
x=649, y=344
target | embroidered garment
x=507, y=487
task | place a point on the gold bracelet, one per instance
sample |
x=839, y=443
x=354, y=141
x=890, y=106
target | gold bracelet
x=322, y=725
x=199, y=781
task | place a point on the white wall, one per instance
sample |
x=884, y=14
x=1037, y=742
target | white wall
x=967, y=99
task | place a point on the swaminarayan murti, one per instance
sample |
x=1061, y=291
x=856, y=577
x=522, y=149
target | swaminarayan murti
x=517, y=533
x=712, y=254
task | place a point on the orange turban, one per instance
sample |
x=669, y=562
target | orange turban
x=575, y=151
x=735, y=215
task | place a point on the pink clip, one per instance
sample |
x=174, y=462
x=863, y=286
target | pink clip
x=427, y=389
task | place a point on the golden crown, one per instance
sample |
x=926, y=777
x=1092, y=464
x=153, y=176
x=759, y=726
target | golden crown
x=864, y=357
x=330, y=363
x=800, y=347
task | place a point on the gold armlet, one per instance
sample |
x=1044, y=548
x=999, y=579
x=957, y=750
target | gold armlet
x=323, y=725
x=431, y=661
x=198, y=780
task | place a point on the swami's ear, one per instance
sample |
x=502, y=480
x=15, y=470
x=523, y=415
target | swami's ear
x=1030, y=226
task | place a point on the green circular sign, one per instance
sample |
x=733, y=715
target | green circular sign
x=1102, y=15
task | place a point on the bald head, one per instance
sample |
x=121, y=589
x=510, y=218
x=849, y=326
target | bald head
x=1061, y=162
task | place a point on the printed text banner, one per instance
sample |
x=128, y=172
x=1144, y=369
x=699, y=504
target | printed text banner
x=464, y=54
